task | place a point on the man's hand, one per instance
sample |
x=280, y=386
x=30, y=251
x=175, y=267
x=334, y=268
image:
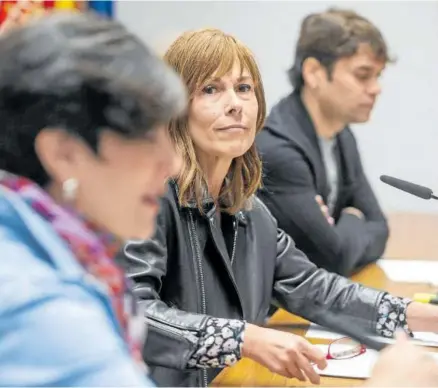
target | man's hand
x=404, y=365
x=324, y=209
x=422, y=317
x=283, y=353
x=354, y=212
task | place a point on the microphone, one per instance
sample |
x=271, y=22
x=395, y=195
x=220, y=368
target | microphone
x=408, y=187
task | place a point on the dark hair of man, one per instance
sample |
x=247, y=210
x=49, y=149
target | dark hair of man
x=331, y=35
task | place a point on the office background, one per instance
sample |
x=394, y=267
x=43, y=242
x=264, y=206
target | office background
x=402, y=137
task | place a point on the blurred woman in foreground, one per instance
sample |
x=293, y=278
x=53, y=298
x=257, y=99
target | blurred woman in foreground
x=84, y=154
x=207, y=278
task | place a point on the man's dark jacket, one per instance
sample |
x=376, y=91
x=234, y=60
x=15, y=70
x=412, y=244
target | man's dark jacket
x=294, y=174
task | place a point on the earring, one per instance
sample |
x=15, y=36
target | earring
x=70, y=189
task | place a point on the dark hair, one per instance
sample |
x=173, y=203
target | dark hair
x=331, y=35
x=81, y=73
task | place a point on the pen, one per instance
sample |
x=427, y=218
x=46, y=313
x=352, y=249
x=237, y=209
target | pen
x=426, y=298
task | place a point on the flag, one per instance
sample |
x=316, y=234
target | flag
x=102, y=7
x=4, y=6
x=64, y=4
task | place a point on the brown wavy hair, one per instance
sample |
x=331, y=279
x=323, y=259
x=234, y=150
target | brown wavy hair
x=196, y=56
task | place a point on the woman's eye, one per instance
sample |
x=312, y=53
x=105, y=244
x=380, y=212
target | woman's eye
x=210, y=89
x=363, y=77
x=244, y=88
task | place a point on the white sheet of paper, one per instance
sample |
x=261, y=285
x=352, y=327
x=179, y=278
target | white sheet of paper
x=316, y=331
x=410, y=271
x=420, y=338
x=359, y=367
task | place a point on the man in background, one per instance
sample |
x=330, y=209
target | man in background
x=314, y=183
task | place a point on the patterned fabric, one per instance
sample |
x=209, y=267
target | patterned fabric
x=221, y=344
x=392, y=316
x=93, y=248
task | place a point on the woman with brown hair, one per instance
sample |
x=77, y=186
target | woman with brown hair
x=217, y=260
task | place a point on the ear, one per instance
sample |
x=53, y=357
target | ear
x=58, y=153
x=313, y=72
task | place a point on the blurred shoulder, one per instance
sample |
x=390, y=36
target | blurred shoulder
x=31, y=263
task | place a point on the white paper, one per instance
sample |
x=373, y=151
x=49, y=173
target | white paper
x=420, y=338
x=316, y=331
x=410, y=271
x=359, y=367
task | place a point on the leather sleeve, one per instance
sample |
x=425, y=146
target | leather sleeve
x=302, y=288
x=174, y=336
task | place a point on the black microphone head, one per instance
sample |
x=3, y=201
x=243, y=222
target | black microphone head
x=408, y=187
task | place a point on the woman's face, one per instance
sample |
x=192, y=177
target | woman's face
x=223, y=115
x=120, y=188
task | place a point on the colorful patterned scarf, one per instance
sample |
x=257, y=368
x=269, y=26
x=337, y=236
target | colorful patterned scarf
x=93, y=249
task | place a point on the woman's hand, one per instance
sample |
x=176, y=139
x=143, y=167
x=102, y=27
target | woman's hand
x=283, y=353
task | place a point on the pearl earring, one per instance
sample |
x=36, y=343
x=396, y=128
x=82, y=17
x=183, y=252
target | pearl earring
x=70, y=189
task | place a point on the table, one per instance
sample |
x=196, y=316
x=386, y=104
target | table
x=412, y=236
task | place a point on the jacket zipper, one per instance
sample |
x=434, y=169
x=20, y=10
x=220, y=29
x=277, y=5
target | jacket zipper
x=192, y=245
x=201, y=271
x=233, y=252
x=233, y=256
x=201, y=281
x=199, y=263
x=173, y=330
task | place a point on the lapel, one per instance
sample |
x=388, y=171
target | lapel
x=218, y=239
x=347, y=162
x=304, y=135
x=215, y=233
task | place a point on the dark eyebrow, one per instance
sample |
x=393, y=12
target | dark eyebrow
x=365, y=69
x=240, y=79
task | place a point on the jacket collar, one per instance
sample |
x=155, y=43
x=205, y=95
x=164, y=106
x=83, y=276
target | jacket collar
x=289, y=118
x=208, y=204
x=292, y=120
x=303, y=117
